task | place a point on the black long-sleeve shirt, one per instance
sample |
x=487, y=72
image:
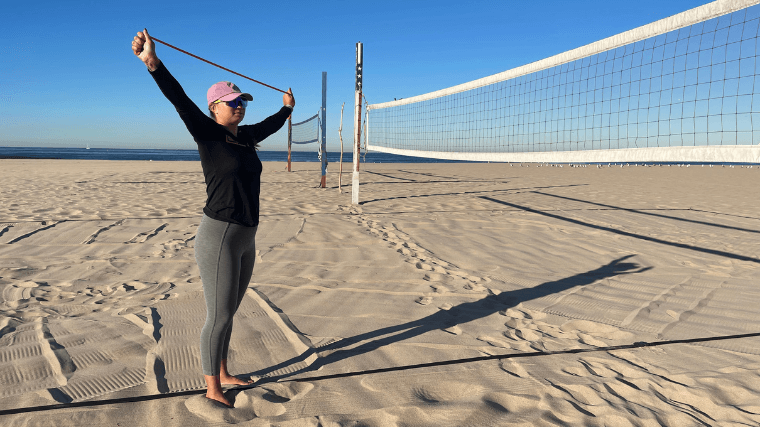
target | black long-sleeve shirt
x=231, y=167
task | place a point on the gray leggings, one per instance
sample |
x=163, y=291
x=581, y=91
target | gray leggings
x=225, y=253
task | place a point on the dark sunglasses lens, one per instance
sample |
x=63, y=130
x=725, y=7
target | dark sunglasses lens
x=237, y=102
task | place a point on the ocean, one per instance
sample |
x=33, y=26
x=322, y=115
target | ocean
x=192, y=155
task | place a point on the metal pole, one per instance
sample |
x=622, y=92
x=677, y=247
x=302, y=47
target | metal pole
x=324, y=127
x=340, y=135
x=290, y=139
x=357, y=123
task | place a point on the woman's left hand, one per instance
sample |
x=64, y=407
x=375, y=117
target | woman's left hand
x=287, y=99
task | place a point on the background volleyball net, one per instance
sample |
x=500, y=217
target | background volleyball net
x=305, y=132
x=685, y=88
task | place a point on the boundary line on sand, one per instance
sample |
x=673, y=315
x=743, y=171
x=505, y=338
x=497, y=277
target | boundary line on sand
x=265, y=380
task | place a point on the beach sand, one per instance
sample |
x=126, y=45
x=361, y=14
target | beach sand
x=101, y=296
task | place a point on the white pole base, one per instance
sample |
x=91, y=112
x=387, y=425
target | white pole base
x=355, y=188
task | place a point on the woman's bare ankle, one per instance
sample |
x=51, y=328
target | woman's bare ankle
x=214, y=389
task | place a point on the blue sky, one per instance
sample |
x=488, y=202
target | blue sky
x=68, y=77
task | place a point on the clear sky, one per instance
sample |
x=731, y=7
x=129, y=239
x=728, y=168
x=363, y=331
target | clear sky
x=68, y=77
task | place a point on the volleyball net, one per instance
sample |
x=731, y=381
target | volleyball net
x=305, y=132
x=685, y=88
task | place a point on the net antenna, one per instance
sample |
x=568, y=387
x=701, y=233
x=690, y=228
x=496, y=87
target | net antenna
x=676, y=90
x=365, y=127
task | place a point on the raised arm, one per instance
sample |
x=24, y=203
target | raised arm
x=145, y=49
x=195, y=120
x=273, y=123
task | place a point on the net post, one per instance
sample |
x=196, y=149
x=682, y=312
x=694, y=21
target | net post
x=357, y=124
x=340, y=135
x=324, y=128
x=290, y=139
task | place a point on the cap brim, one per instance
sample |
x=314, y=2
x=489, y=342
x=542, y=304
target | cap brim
x=233, y=95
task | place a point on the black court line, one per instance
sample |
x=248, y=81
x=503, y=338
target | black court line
x=626, y=233
x=155, y=182
x=198, y=216
x=439, y=181
x=723, y=213
x=30, y=221
x=639, y=344
x=391, y=176
x=642, y=212
x=459, y=193
x=429, y=174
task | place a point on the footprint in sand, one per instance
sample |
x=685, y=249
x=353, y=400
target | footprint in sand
x=423, y=266
x=728, y=392
x=589, y=340
x=440, y=289
x=527, y=334
x=19, y=293
x=446, y=392
x=424, y=300
x=407, y=252
x=264, y=401
x=474, y=287
x=513, y=368
x=494, y=341
x=516, y=323
x=454, y=330
x=581, y=393
x=597, y=330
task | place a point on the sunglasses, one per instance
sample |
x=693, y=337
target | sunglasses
x=237, y=102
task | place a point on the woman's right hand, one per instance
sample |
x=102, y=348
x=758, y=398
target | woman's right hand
x=145, y=49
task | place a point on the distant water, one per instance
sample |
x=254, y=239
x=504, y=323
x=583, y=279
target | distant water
x=192, y=155
x=265, y=156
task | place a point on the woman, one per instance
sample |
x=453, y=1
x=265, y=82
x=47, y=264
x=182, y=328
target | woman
x=224, y=245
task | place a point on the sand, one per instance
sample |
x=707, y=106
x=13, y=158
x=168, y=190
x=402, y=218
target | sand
x=101, y=296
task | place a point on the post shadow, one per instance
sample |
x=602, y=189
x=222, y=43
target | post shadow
x=442, y=319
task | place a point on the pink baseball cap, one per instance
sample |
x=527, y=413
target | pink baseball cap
x=225, y=91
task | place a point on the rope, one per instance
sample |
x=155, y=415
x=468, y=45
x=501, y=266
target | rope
x=639, y=344
x=216, y=65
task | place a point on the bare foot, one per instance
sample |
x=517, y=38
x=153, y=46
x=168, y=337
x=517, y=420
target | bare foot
x=230, y=380
x=227, y=379
x=219, y=397
x=214, y=390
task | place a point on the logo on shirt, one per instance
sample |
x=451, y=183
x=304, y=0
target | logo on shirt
x=232, y=140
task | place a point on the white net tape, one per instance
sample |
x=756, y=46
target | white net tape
x=686, y=88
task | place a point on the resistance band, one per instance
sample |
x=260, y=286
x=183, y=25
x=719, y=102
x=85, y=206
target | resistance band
x=216, y=65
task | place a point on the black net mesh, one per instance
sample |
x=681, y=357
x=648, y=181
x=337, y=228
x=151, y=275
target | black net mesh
x=698, y=85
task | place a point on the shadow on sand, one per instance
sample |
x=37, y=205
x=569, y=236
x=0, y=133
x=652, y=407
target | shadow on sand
x=442, y=319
